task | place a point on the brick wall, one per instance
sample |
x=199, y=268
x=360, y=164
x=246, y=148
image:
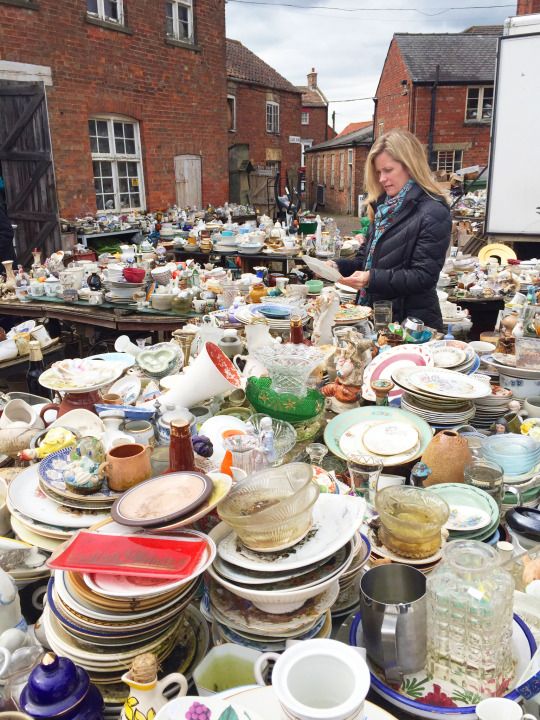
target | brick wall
x=177, y=95
x=528, y=7
x=392, y=107
x=338, y=192
x=251, y=124
x=317, y=129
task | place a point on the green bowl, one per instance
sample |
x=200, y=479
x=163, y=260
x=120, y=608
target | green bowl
x=314, y=286
x=283, y=406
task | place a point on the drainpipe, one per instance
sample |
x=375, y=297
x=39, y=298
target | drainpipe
x=432, y=117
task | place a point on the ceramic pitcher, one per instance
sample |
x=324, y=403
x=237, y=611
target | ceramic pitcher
x=146, y=699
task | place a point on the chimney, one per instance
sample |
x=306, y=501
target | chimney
x=527, y=7
x=312, y=79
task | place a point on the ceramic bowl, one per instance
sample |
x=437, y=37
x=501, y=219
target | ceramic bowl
x=161, y=275
x=284, y=435
x=272, y=509
x=162, y=301
x=134, y=275
x=314, y=286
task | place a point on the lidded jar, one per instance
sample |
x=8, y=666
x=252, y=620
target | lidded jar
x=469, y=619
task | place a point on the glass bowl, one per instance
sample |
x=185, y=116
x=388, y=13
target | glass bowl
x=283, y=406
x=411, y=520
x=284, y=435
x=272, y=509
x=516, y=454
x=290, y=366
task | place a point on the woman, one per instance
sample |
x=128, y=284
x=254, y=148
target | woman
x=409, y=233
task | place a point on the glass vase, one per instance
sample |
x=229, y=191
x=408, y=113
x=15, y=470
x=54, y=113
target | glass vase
x=469, y=620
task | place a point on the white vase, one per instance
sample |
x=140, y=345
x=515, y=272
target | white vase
x=113, y=436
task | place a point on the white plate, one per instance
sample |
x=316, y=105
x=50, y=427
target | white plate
x=448, y=357
x=32, y=538
x=24, y=494
x=336, y=518
x=178, y=708
x=390, y=438
x=128, y=387
x=80, y=375
x=465, y=518
x=351, y=444
x=447, y=383
x=320, y=268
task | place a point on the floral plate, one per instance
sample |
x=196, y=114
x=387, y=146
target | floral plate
x=437, y=699
x=192, y=707
x=386, y=362
x=449, y=383
x=80, y=375
x=51, y=471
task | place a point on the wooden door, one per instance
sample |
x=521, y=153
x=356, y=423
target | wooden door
x=188, y=176
x=27, y=167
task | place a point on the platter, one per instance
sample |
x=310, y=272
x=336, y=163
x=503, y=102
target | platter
x=448, y=383
x=320, y=268
x=78, y=375
x=386, y=363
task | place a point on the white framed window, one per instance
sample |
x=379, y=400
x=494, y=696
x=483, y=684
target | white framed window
x=179, y=20
x=109, y=10
x=449, y=160
x=272, y=117
x=479, y=106
x=324, y=169
x=332, y=171
x=318, y=169
x=116, y=159
x=304, y=144
x=350, y=156
x=305, y=118
x=341, y=170
x=231, y=108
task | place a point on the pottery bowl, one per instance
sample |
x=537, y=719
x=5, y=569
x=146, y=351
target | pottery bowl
x=284, y=435
x=135, y=275
x=161, y=301
x=272, y=509
x=161, y=275
x=521, y=387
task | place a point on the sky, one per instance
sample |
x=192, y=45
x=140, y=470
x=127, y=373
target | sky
x=347, y=48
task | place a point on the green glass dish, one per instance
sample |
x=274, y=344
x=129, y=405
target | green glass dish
x=283, y=406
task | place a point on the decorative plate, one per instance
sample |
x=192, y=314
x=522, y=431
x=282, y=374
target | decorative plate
x=32, y=538
x=342, y=423
x=320, y=268
x=192, y=707
x=51, y=472
x=336, y=518
x=352, y=444
x=386, y=362
x=448, y=357
x=438, y=700
x=476, y=499
x=465, y=517
x=80, y=375
x=128, y=387
x=350, y=313
x=449, y=384
x=390, y=438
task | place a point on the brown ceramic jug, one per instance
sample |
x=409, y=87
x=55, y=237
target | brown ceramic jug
x=446, y=455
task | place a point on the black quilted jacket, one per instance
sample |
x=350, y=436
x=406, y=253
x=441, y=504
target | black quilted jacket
x=408, y=259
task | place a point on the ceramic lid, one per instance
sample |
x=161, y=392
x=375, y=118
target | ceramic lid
x=54, y=686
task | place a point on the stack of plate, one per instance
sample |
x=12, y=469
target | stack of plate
x=278, y=315
x=24, y=568
x=492, y=407
x=284, y=594
x=474, y=514
x=441, y=386
x=348, y=597
x=438, y=412
x=387, y=362
x=47, y=520
x=379, y=552
x=346, y=294
x=103, y=621
x=455, y=355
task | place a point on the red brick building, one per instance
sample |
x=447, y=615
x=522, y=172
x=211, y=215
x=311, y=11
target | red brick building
x=440, y=87
x=335, y=171
x=134, y=91
x=264, y=116
x=315, y=128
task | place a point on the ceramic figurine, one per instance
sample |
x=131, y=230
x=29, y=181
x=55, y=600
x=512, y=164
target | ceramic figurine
x=146, y=696
x=325, y=309
x=350, y=362
x=266, y=438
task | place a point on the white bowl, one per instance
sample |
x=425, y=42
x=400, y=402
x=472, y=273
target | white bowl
x=8, y=350
x=482, y=348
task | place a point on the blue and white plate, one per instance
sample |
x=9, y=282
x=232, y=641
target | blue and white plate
x=126, y=359
x=129, y=412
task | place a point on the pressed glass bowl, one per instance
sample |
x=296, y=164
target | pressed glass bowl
x=516, y=454
x=289, y=366
x=284, y=435
x=411, y=519
x=272, y=509
x=283, y=406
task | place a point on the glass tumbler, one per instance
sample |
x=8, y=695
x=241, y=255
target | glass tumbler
x=382, y=314
x=487, y=476
x=364, y=472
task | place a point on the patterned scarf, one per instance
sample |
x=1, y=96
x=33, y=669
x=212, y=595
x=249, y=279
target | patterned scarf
x=385, y=217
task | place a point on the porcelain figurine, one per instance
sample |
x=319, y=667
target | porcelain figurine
x=325, y=310
x=350, y=362
x=266, y=439
x=146, y=694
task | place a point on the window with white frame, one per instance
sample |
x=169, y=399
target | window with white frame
x=109, y=10
x=479, y=104
x=318, y=169
x=324, y=169
x=341, y=170
x=305, y=118
x=231, y=107
x=179, y=20
x=449, y=160
x=272, y=117
x=332, y=171
x=116, y=159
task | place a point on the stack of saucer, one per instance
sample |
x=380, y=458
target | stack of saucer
x=26, y=567
x=492, y=407
x=277, y=315
x=348, y=583
x=272, y=596
x=474, y=514
x=455, y=355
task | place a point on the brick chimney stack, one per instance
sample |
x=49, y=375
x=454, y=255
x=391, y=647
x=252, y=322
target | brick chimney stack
x=527, y=7
x=312, y=77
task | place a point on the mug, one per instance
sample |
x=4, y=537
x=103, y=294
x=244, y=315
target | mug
x=532, y=407
x=126, y=466
x=199, y=306
x=393, y=607
x=37, y=289
x=501, y=709
x=111, y=399
x=224, y=667
x=318, y=680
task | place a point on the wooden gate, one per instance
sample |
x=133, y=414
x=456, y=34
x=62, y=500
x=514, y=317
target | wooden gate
x=27, y=168
x=188, y=176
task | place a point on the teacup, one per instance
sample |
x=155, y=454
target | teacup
x=318, y=680
x=225, y=666
x=501, y=709
x=40, y=334
x=126, y=466
x=532, y=407
x=199, y=305
x=37, y=289
x=111, y=399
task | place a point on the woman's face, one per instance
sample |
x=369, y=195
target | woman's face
x=392, y=174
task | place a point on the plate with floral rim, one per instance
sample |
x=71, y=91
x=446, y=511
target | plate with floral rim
x=448, y=383
x=193, y=707
x=386, y=362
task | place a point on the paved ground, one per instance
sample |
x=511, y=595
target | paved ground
x=346, y=223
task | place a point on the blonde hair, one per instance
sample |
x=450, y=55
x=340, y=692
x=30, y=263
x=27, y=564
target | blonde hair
x=404, y=147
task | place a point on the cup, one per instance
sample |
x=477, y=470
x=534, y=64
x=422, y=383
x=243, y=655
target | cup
x=126, y=466
x=364, y=471
x=393, y=607
x=318, y=680
x=142, y=431
x=37, y=289
x=501, y=709
x=40, y=334
x=111, y=399
x=237, y=398
x=95, y=297
x=382, y=314
x=487, y=476
x=224, y=667
x=199, y=305
x=532, y=407
x=281, y=283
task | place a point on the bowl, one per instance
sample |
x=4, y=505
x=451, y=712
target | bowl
x=516, y=454
x=161, y=301
x=283, y=406
x=135, y=275
x=284, y=435
x=411, y=520
x=314, y=286
x=272, y=509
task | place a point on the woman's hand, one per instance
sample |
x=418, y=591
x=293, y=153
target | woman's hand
x=358, y=280
x=332, y=264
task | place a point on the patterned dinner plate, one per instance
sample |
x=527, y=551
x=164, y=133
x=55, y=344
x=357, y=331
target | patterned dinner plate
x=382, y=367
x=449, y=383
